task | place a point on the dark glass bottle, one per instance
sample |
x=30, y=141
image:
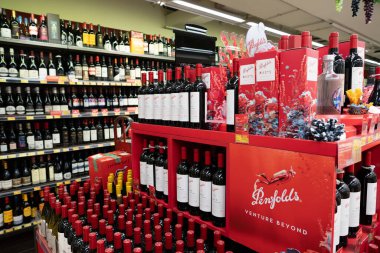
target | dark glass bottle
x=26, y=209
x=150, y=165
x=345, y=208
x=355, y=191
x=48, y=138
x=194, y=179
x=8, y=214
x=13, y=72
x=15, y=26
x=38, y=140
x=334, y=49
x=73, y=134
x=159, y=171
x=205, y=186
x=43, y=29
x=10, y=107
x=110, y=70
x=149, y=100
x=65, y=134
x=60, y=70
x=184, y=98
x=232, y=97
x=26, y=177
x=16, y=175
x=99, y=37
x=20, y=108
x=218, y=198
x=197, y=100
x=183, y=181
x=143, y=170
x=17, y=211
x=106, y=41
x=39, y=108
x=3, y=140
x=21, y=138
x=141, y=98
x=99, y=129
x=375, y=95
x=51, y=67
x=29, y=137
x=70, y=34
x=33, y=29
x=63, y=33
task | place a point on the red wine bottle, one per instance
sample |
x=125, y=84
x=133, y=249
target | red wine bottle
x=355, y=191
x=166, y=100
x=143, y=170
x=184, y=98
x=337, y=219
x=345, y=208
x=368, y=180
x=232, y=98
x=183, y=181
x=334, y=49
x=375, y=94
x=141, y=98
x=198, y=100
x=150, y=164
x=159, y=171
x=194, y=175
x=205, y=185
x=149, y=93
x=353, y=68
x=218, y=190
x=175, y=102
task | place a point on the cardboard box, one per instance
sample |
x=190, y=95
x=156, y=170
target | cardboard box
x=101, y=165
x=137, y=42
x=258, y=92
x=54, y=28
x=215, y=79
x=298, y=91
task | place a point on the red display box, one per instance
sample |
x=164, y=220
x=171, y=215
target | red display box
x=298, y=91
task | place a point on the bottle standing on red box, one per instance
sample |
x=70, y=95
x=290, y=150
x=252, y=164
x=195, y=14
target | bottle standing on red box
x=143, y=159
x=334, y=50
x=205, y=185
x=198, y=100
x=159, y=171
x=218, y=190
x=353, y=68
x=149, y=93
x=183, y=181
x=345, y=208
x=157, y=99
x=337, y=218
x=184, y=98
x=194, y=174
x=375, y=95
x=355, y=191
x=150, y=164
x=368, y=180
x=175, y=103
x=232, y=99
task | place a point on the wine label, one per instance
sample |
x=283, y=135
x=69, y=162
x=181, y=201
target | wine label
x=26, y=180
x=1, y=220
x=35, y=176
x=42, y=73
x=149, y=106
x=157, y=113
x=182, y=188
x=345, y=216
x=159, y=178
x=12, y=146
x=138, y=73
x=194, y=107
x=51, y=173
x=39, y=145
x=166, y=107
x=17, y=220
x=24, y=73
x=56, y=138
x=106, y=134
x=337, y=218
x=166, y=182
x=33, y=74
x=354, y=209
x=184, y=106
x=86, y=167
x=205, y=196
x=151, y=49
x=3, y=148
x=48, y=144
x=7, y=184
x=175, y=106
x=149, y=175
x=16, y=182
x=112, y=133
x=30, y=141
x=133, y=74
x=371, y=199
x=118, y=132
x=64, y=107
x=143, y=178
x=141, y=106
x=230, y=117
x=52, y=72
x=13, y=72
x=10, y=109
x=265, y=70
x=20, y=109
x=42, y=174
x=58, y=176
x=48, y=109
x=160, y=47
x=67, y=175
x=61, y=237
x=194, y=191
x=104, y=72
x=80, y=166
x=27, y=211
x=6, y=33
x=8, y=216
x=312, y=69
x=93, y=134
x=2, y=110
x=218, y=202
x=357, y=78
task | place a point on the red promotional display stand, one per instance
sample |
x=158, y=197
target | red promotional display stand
x=280, y=193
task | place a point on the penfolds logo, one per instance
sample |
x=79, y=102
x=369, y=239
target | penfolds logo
x=260, y=197
x=265, y=70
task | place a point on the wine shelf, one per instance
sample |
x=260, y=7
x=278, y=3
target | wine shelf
x=69, y=116
x=39, y=44
x=26, y=226
x=129, y=83
x=31, y=188
x=58, y=150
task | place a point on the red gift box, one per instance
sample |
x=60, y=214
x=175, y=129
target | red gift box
x=298, y=91
x=101, y=165
x=215, y=79
x=258, y=92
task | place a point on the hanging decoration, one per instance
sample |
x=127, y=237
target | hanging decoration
x=368, y=9
x=338, y=5
x=369, y=6
x=355, y=7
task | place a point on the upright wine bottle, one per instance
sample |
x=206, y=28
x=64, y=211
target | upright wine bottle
x=375, y=94
x=157, y=98
x=218, y=189
x=205, y=186
x=368, y=180
x=355, y=191
x=141, y=98
x=183, y=181
x=159, y=171
x=175, y=99
x=198, y=100
x=337, y=218
x=334, y=49
x=166, y=101
x=353, y=68
x=345, y=208
x=143, y=170
x=194, y=175
x=184, y=98
x=232, y=98
x=150, y=164
x=149, y=94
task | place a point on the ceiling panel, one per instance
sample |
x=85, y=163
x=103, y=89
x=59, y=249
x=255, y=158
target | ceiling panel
x=313, y=26
x=294, y=18
x=324, y=33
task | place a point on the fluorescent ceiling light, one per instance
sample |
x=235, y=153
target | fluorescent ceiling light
x=317, y=44
x=372, y=62
x=209, y=11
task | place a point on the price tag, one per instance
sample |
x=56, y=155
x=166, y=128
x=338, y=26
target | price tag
x=65, y=149
x=40, y=152
x=3, y=157
x=37, y=188
x=27, y=225
x=104, y=112
x=61, y=82
x=78, y=179
x=3, y=80
x=22, y=154
x=72, y=83
x=49, y=117
x=86, y=83
x=16, y=192
x=56, y=150
x=100, y=145
x=94, y=112
x=60, y=183
x=117, y=111
x=87, y=147
x=24, y=81
x=31, y=153
x=57, y=116
x=11, y=156
x=75, y=148
x=43, y=82
x=29, y=117
x=67, y=182
x=8, y=230
x=17, y=228
x=79, y=83
x=11, y=118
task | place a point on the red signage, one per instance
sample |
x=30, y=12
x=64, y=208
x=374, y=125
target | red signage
x=280, y=200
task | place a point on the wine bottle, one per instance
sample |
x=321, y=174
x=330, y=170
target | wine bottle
x=375, y=94
x=99, y=37
x=8, y=214
x=141, y=98
x=337, y=219
x=205, y=186
x=48, y=139
x=334, y=50
x=159, y=171
x=43, y=29
x=17, y=211
x=218, y=190
x=6, y=177
x=6, y=31
x=21, y=138
x=33, y=70
x=198, y=100
x=345, y=208
x=42, y=170
x=149, y=100
x=3, y=140
x=353, y=68
x=26, y=177
x=143, y=166
x=51, y=66
x=47, y=102
x=110, y=73
x=3, y=64
x=91, y=69
x=368, y=181
x=13, y=72
x=2, y=104
x=355, y=192
x=175, y=103
x=85, y=74
x=35, y=171
x=183, y=181
x=38, y=140
x=232, y=98
x=166, y=100
x=27, y=209
x=158, y=99
x=194, y=175
x=150, y=165
x=184, y=98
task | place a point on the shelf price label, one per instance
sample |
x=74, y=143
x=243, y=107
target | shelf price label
x=94, y=112
x=117, y=111
x=17, y=192
x=37, y=188
x=29, y=117
x=24, y=81
x=104, y=112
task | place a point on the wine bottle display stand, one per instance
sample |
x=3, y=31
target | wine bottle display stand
x=57, y=150
x=274, y=164
x=38, y=187
x=38, y=44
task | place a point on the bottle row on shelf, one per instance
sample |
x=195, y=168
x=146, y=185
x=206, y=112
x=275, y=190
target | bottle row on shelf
x=81, y=35
x=61, y=134
x=85, y=67
x=77, y=98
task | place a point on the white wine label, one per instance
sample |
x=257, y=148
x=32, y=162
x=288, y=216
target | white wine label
x=357, y=78
x=184, y=106
x=48, y=144
x=141, y=106
x=149, y=175
x=4, y=148
x=182, y=188
x=6, y=33
x=149, y=107
x=166, y=107
x=30, y=141
x=345, y=216
x=42, y=174
x=157, y=110
x=24, y=73
x=35, y=176
x=1, y=219
x=58, y=176
x=312, y=69
x=247, y=74
x=112, y=133
x=371, y=199
x=194, y=107
x=39, y=145
x=2, y=110
x=94, y=135
x=159, y=178
x=67, y=175
x=337, y=218
x=143, y=173
x=17, y=220
x=166, y=182
x=230, y=107
x=175, y=106
x=42, y=73
x=7, y=184
x=205, y=196
x=86, y=136
x=51, y=173
x=106, y=134
x=56, y=138
x=194, y=191
x=354, y=209
x=33, y=74
x=52, y=72
x=218, y=202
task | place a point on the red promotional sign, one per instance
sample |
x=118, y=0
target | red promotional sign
x=280, y=199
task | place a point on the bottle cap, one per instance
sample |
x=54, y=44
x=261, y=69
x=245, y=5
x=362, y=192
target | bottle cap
x=148, y=242
x=354, y=41
x=196, y=155
x=157, y=233
x=129, y=229
x=127, y=245
x=178, y=231
x=334, y=40
x=200, y=244
x=151, y=77
x=137, y=235
x=207, y=158
x=190, y=239
x=183, y=153
x=220, y=160
x=368, y=158
x=92, y=240
x=180, y=245
x=117, y=240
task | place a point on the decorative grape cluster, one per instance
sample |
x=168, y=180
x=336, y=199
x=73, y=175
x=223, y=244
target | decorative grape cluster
x=328, y=131
x=338, y=5
x=368, y=9
x=355, y=7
